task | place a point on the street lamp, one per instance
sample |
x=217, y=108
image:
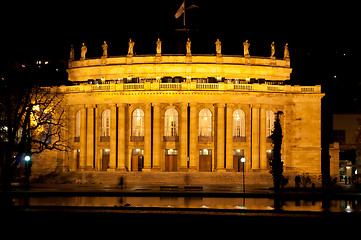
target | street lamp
x=27, y=160
x=243, y=160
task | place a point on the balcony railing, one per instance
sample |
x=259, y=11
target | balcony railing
x=170, y=138
x=104, y=138
x=191, y=86
x=170, y=86
x=137, y=138
x=205, y=139
x=239, y=139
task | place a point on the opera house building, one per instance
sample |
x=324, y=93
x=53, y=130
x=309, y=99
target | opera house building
x=188, y=113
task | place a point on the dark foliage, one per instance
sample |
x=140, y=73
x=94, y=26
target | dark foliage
x=276, y=163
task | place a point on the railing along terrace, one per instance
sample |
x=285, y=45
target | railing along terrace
x=191, y=86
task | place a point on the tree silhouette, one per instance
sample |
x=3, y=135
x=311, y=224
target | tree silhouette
x=32, y=119
x=276, y=163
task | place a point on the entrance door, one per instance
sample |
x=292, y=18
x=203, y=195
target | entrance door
x=237, y=164
x=77, y=159
x=205, y=160
x=171, y=160
x=237, y=156
x=171, y=163
x=105, y=159
x=205, y=163
x=137, y=163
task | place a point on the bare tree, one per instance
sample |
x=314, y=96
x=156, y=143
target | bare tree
x=32, y=120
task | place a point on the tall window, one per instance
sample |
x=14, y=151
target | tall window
x=106, y=123
x=77, y=124
x=270, y=123
x=171, y=123
x=239, y=124
x=138, y=123
x=205, y=123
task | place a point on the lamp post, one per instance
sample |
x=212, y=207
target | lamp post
x=243, y=160
x=27, y=160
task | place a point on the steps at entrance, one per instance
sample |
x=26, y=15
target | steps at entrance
x=161, y=178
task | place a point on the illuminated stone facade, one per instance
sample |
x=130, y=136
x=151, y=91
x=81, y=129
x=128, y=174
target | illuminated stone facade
x=182, y=113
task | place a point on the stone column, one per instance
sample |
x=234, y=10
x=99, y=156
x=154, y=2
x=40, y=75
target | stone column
x=113, y=138
x=90, y=135
x=121, y=136
x=229, y=138
x=184, y=137
x=147, y=137
x=263, y=139
x=83, y=139
x=220, y=137
x=156, y=137
x=98, y=156
x=193, y=139
x=255, y=137
x=71, y=122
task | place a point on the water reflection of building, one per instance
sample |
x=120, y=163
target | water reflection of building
x=188, y=113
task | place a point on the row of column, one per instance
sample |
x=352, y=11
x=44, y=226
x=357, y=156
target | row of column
x=223, y=137
x=88, y=141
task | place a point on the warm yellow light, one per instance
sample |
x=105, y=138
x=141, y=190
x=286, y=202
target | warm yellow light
x=36, y=108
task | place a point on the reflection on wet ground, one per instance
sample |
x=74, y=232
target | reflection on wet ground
x=264, y=204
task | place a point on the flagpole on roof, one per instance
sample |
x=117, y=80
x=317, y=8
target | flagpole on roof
x=184, y=15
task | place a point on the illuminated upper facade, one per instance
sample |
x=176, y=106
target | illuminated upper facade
x=150, y=68
x=188, y=113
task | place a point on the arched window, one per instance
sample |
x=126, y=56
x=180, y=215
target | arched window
x=205, y=123
x=171, y=123
x=77, y=124
x=106, y=123
x=239, y=126
x=138, y=123
x=270, y=123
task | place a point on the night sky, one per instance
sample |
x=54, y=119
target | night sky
x=323, y=37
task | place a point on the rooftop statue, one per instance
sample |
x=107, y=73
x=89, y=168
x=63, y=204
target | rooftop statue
x=246, y=45
x=84, y=50
x=273, y=50
x=188, y=47
x=72, y=54
x=105, y=49
x=219, y=47
x=159, y=47
x=131, y=47
x=286, y=53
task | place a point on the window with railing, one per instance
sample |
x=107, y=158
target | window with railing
x=205, y=125
x=77, y=127
x=137, y=126
x=270, y=122
x=239, y=126
x=105, y=131
x=171, y=125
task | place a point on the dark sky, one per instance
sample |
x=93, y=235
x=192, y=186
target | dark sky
x=323, y=37
x=47, y=28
